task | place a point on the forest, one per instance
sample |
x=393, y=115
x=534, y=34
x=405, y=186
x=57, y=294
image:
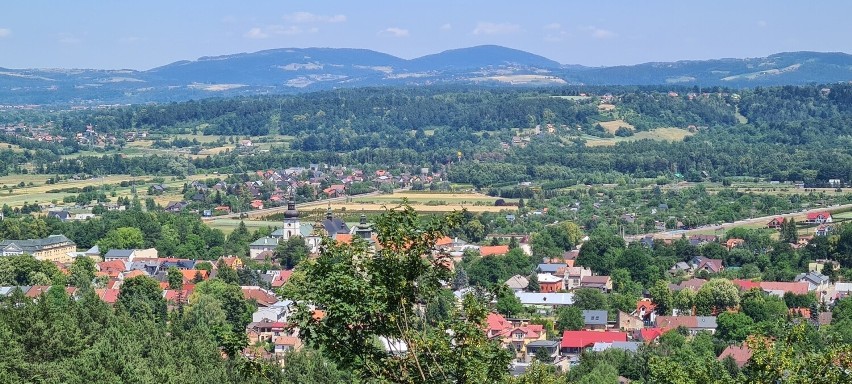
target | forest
x=736, y=130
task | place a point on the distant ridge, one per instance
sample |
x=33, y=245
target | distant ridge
x=294, y=70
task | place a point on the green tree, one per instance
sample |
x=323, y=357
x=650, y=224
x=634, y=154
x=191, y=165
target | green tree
x=175, y=278
x=661, y=295
x=684, y=301
x=226, y=273
x=733, y=327
x=460, y=279
x=716, y=295
x=291, y=252
x=533, y=283
x=507, y=303
x=310, y=366
x=590, y=299
x=122, y=238
x=141, y=298
x=82, y=273
x=367, y=295
x=569, y=319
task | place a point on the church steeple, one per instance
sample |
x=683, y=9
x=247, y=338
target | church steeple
x=291, y=208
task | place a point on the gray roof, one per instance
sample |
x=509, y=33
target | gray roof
x=265, y=242
x=547, y=267
x=632, y=346
x=35, y=245
x=95, y=250
x=597, y=317
x=543, y=344
x=812, y=277
x=119, y=254
x=517, y=282
x=334, y=226
x=555, y=298
x=706, y=321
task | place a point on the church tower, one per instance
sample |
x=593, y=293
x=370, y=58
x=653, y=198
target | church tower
x=292, y=226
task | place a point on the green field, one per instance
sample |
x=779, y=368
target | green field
x=660, y=134
x=228, y=225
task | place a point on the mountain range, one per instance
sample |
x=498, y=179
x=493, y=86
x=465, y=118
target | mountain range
x=294, y=70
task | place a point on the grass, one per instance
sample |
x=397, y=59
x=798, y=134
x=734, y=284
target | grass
x=660, y=134
x=38, y=192
x=229, y=225
x=426, y=202
x=612, y=126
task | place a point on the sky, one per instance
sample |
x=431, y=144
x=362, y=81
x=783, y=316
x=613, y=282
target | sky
x=150, y=33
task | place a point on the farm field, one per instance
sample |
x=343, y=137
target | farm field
x=39, y=191
x=660, y=134
x=424, y=202
x=229, y=225
x=612, y=126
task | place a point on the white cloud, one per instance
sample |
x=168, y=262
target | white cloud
x=483, y=28
x=553, y=26
x=307, y=17
x=446, y=27
x=277, y=30
x=256, y=33
x=394, y=32
x=5, y=32
x=600, y=33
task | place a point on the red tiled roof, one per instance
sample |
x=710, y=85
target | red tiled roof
x=37, y=290
x=281, y=278
x=740, y=354
x=189, y=274
x=648, y=335
x=109, y=296
x=799, y=288
x=444, y=241
x=262, y=297
x=492, y=250
x=677, y=321
x=583, y=339
x=645, y=303
x=817, y=215
x=134, y=273
x=746, y=285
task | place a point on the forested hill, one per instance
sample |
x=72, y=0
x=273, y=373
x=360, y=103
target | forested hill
x=298, y=70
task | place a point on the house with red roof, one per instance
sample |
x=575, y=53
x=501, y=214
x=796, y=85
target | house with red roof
x=649, y=335
x=775, y=223
x=733, y=243
x=780, y=288
x=493, y=250
x=819, y=218
x=109, y=296
x=518, y=333
x=740, y=354
x=575, y=342
x=256, y=204
x=263, y=297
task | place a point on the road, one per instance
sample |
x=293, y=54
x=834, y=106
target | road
x=720, y=227
x=302, y=206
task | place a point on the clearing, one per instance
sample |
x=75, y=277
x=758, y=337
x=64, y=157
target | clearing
x=612, y=126
x=660, y=134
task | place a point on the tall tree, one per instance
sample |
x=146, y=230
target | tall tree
x=569, y=319
x=175, y=278
x=367, y=294
x=661, y=295
x=141, y=298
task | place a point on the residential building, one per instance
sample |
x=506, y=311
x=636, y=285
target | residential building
x=573, y=276
x=518, y=333
x=264, y=244
x=595, y=319
x=816, y=281
x=819, y=218
x=550, y=300
x=694, y=324
x=549, y=283
x=57, y=248
x=575, y=342
x=120, y=255
x=740, y=354
x=603, y=283
x=517, y=283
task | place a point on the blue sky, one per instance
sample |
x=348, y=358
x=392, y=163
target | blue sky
x=150, y=33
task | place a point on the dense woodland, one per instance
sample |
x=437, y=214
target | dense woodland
x=788, y=133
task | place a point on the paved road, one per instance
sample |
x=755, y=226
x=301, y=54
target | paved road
x=720, y=227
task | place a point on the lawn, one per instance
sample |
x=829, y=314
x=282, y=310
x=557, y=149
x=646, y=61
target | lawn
x=229, y=225
x=660, y=134
x=612, y=126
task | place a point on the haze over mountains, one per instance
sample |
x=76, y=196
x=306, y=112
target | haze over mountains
x=293, y=70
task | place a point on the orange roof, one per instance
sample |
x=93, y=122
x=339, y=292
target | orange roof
x=345, y=238
x=134, y=273
x=741, y=355
x=262, y=297
x=493, y=250
x=109, y=296
x=37, y=290
x=189, y=274
x=318, y=314
x=444, y=241
x=799, y=288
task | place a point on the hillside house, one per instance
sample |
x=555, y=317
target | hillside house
x=819, y=218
